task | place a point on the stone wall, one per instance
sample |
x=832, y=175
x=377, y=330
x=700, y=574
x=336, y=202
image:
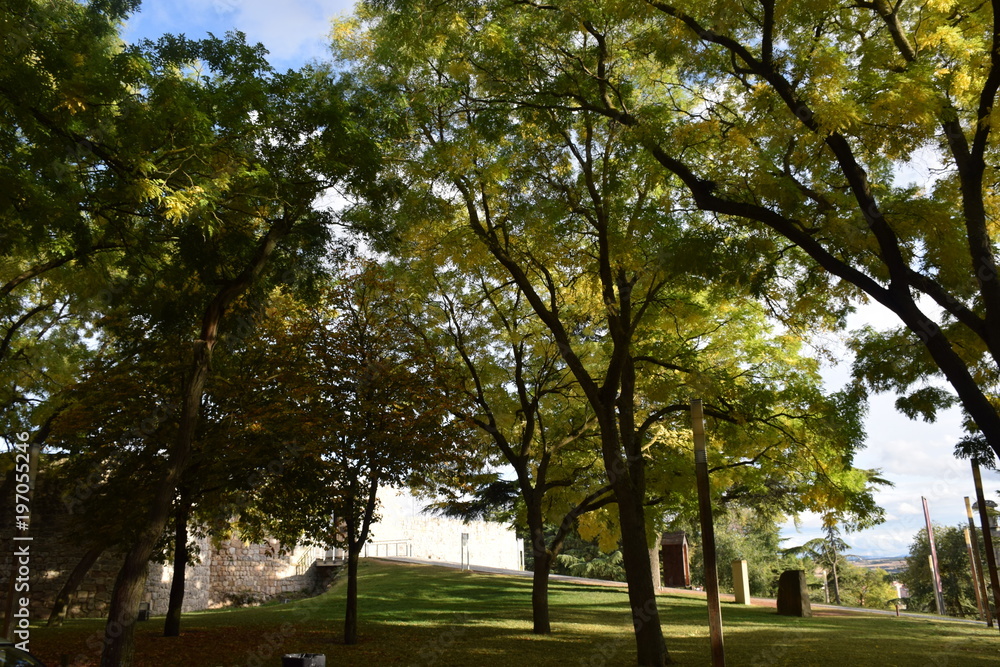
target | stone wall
x=197, y=581
x=52, y=556
x=258, y=571
x=234, y=568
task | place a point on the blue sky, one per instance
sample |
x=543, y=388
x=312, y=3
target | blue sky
x=914, y=455
x=294, y=31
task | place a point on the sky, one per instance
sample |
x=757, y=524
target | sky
x=915, y=456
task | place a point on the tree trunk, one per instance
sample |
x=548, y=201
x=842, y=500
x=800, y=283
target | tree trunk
x=58, y=613
x=543, y=565
x=172, y=624
x=351, y=612
x=540, y=594
x=836, y=585
x=650, y=646
x=119, y=633
x=654, y=562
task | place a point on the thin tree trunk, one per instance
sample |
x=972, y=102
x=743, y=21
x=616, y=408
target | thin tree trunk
x=836, y=585
x=76, y=577
x=991, y=557
x=355, y=541
x=119, y=632
x=351, y=611
x=172, y=624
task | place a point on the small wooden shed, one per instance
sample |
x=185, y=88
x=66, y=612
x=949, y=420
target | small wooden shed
x=675, y=559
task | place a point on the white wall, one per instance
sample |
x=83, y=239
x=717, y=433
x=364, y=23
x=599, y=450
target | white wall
x=405, y=531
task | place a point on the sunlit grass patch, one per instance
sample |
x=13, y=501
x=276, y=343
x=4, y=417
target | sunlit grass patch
x=425, y=615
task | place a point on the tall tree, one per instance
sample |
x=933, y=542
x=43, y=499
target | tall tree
x=827, y=551
x=797, y=124
x=231, y=158
x=573, y=214
x=358, y=388
x=65, y=88
x=522, y=396
x=956, y=580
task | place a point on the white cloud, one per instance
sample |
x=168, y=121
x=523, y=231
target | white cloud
x=293, y=32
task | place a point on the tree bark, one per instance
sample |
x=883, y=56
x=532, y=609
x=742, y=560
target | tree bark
x=991, y=558
x=540, y=576
x=654, y=561
x=59, y=608
x=172, y=624
x=351, y=610
x=836, y=584
x=650, y=646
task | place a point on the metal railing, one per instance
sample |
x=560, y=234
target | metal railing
x=378, y=548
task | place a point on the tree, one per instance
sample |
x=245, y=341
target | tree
x=65, y=89
x=953, y=564
x=573, y=214
x=827, y=551
x=523, y=397
x=206, y=169
x=358, y=389
x=795, y=125
x=866, y=587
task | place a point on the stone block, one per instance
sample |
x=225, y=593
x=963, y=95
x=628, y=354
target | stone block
x=793, y=594
x=741, y=582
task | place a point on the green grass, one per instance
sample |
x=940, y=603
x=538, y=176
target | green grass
x=424, y=615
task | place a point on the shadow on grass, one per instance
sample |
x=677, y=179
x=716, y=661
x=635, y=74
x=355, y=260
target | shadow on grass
x=425, y=615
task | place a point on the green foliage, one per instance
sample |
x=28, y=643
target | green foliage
x=584, y=226
x=741, y=534
x=953, y=564
x=348, y=381
x=865, y=587
x=607, y=566
x=793, y=126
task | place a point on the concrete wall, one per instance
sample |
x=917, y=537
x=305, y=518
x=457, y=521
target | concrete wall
x=404, y=530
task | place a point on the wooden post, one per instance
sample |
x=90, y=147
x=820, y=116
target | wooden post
x=981, y=582
x=991, y=556
x=707, y=534
x=974, y=570
x=935, y=573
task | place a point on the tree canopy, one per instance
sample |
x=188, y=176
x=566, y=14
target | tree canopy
x=793, y=127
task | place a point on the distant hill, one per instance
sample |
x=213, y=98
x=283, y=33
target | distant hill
x=891, y=564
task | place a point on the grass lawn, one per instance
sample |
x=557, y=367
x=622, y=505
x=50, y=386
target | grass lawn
x=425, y=615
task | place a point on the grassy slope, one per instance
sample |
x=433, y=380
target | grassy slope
x=423, y=615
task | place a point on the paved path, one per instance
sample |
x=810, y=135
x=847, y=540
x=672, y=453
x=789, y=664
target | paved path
x=818, y=609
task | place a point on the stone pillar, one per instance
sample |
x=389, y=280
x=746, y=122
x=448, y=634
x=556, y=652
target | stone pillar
x=741, y=582
x=793, y=594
